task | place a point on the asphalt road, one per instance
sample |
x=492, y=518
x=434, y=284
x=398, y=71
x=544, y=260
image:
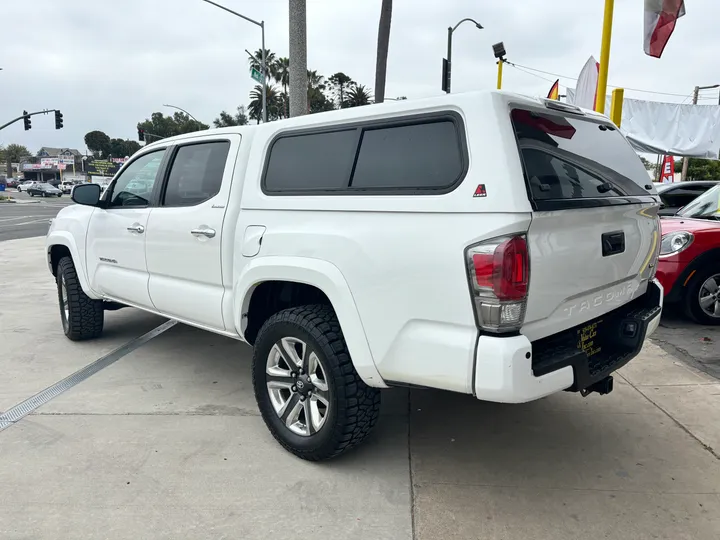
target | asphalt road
x=30, y=216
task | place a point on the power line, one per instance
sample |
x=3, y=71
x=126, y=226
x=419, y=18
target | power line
x=610, y=85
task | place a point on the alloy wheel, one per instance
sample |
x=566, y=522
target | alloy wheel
x=709, y=296
x=297, y=386
x=64, y=303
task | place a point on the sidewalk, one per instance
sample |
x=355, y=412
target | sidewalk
x=166, y=443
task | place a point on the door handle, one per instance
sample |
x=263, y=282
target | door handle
x=137, y=228
x=203, y=232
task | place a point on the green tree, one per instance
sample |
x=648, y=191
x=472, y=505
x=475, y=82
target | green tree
x=703, y=169
x=274, y=111
x=383, y=44
x=13, y=154
x=358, y=95
x=256, y=63
x=317, y=99
x=122, y=147
x=339, y=85
x=226, y=119
x=98, y=143
x=282, y=77
x=161, y=126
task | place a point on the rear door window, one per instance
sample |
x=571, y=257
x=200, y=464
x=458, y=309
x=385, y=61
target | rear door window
x=570, y=160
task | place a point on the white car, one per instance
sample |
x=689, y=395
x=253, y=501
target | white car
x=483, y=243
x=66, y=186
x=23, y=186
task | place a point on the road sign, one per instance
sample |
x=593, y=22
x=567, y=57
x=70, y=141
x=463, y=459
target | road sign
x=255, y=74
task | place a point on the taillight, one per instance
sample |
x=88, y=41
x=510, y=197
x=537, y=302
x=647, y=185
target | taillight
x=499, y=272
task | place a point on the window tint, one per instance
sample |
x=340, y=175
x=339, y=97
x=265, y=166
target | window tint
x=555, y=178
x=135, y=184
x=575, y=158
x=417, y=156
x=196, y=173
x=314, y=161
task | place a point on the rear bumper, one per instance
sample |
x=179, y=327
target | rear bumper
x=515, y=370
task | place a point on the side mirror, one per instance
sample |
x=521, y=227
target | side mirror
x=87, y=194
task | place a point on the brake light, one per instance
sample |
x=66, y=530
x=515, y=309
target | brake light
x=499, y=273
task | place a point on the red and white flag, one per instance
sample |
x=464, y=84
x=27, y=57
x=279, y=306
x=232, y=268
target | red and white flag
x=660, y=19
x=667, y=176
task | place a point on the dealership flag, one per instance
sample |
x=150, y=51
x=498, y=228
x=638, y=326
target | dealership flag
x=668, y=170
x=587, y=85
x=555, y=91
x=660, y=18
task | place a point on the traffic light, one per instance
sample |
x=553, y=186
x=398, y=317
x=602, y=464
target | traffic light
x=58, y=120
x=141, y=134
x=26, y=121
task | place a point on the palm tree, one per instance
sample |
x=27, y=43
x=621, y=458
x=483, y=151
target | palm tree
x=358, y=95
x=273, y=103
x=382, y=50
x=256, y=62
x=282, y=76
x=317, y=100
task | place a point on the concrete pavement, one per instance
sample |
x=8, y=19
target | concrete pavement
x=166, y=443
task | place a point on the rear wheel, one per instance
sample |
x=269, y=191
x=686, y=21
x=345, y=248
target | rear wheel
x=82, y=317
x=702, y=295
x=308, y=392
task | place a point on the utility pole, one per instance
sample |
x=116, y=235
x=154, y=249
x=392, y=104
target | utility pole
x=298, y=58
x=696, y=95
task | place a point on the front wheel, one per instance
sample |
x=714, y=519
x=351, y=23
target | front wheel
x=32, y=194
x=82, y=317
x=310, y=396
x=702, y=295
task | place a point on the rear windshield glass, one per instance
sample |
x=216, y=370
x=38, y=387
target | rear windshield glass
x=575, y=158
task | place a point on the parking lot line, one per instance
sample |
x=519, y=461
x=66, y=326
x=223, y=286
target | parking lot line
x=21, y=410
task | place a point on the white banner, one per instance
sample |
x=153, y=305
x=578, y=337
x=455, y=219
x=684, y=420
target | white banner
x=670, y=128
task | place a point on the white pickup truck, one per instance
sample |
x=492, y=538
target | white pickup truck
x=483, y=243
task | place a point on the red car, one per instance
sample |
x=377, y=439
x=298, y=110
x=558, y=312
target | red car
x=689, y=265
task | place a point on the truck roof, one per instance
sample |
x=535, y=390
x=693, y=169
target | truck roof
x=462, y=100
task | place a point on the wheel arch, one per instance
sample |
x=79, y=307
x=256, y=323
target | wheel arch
x=60, y=244
x=318, y=279
x=707, y=257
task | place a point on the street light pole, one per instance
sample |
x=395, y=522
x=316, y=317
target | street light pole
x=451, y=29
x=181, y=109
x=696, y=95
x=261, y=24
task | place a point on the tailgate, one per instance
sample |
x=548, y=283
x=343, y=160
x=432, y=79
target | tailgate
x=594, y=236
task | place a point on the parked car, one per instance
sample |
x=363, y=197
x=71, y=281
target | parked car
x=23, y=186
x=689, y=265
x=44, y=190
x=679, y=194
x=66, y=186
x=12, y=183
x=363, y=248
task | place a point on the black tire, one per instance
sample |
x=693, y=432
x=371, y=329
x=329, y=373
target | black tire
x=32, y=194
x=354, y=406
x=692, y=294
x=85, y=316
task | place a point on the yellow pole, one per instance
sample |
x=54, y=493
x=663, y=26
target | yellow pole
x=604, y=56
x=616, y=106
x=500, y=68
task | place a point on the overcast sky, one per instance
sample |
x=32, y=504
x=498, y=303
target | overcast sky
x=108, y=65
